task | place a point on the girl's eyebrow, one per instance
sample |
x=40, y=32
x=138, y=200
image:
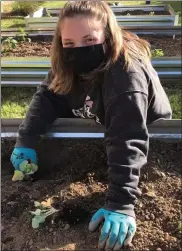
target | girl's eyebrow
x=89, y=35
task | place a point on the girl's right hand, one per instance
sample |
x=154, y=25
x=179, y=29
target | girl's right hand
x=24, y=161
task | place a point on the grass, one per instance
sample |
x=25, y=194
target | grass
x=54, y=4
x=15, y=102
x=175, y=101
x=12, y=22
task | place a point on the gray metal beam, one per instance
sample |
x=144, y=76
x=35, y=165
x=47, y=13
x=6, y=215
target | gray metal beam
x=145, y=30
x=87, y=128
x=32, y=73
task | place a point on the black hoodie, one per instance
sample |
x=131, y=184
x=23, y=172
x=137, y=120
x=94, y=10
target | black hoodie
x=125, y=102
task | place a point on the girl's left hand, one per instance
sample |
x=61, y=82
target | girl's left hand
x=118, y=229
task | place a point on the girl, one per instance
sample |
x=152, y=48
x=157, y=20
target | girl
x=98, y=71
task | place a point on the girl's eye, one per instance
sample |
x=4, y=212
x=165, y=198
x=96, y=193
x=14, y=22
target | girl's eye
x=68, y=44
x=89, y=40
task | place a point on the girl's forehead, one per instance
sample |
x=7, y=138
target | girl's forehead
x=78, y=26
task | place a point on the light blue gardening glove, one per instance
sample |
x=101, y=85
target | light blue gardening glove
x=24, y=161
x=118, y=229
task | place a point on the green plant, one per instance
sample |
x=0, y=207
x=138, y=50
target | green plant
x=25, y=8
x=22, y=36
x=180, y=227
x=48, y=15
x=8, y=43
x=152, y=13
x=41, y=213
x=157, y=53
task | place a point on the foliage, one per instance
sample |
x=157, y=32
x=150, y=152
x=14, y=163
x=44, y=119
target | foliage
x=41, y=213
x=8, y=43
x=12, y=22
x=25, y=8
x=157, y=53
x=11, y=43
x=180, y=227
x=22, y=36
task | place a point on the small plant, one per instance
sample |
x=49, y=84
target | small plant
x=22, y=36
x=48, y=15
x=180, y=227
x=41, y=213
x=152, y=13
x=8, y=43
x=157, y=53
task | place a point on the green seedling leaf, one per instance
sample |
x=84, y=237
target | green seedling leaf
x=14, y=41
x=5, y=41
x=28, y=168
x=37, y=220
x=13, y=46
x=41, y=213
x=20, y=29
x=36, y=212
x=37, y=204
x=180, y=226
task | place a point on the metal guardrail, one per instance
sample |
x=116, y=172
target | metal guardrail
x=139, y=30
x=127, y=20
x=32, y=73
x=166, y=130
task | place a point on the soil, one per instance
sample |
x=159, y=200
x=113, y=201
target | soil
x=170, y=47
x=133, y=13
x=75, y=171
x=141, y=12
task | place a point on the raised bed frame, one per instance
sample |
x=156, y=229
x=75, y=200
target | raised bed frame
x=163, y=130
x=31, y=73
x=138, y=20
x=145, y=30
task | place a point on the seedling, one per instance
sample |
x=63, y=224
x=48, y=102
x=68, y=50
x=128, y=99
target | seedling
x=157, y=53
x=48, y=15
x=23, y=35
x=152, y=13
x=26, y=168
x=9, y=43
x=180, y=227
x=41, y=213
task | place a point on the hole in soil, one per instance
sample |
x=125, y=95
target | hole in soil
x=70, y=212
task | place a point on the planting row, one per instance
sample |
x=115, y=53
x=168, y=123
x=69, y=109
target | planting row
x=25, y=47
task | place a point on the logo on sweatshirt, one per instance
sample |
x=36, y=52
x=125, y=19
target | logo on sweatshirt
x=85, y=111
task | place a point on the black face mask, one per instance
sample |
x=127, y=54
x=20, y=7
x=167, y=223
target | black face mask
x=83, y=59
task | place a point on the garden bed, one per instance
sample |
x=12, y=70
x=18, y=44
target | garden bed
x=77, y=170
x=170, y=47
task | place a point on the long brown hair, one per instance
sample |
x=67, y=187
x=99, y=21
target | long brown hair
x=118, y=42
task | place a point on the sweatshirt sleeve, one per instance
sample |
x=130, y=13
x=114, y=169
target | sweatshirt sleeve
x=125, y=100
x=44, y=109
x=127, y=148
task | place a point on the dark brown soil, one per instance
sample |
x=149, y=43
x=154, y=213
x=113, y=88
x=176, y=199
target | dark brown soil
x=170, y=47
x=133, y=13
x=76, y=172
x=141, y=12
